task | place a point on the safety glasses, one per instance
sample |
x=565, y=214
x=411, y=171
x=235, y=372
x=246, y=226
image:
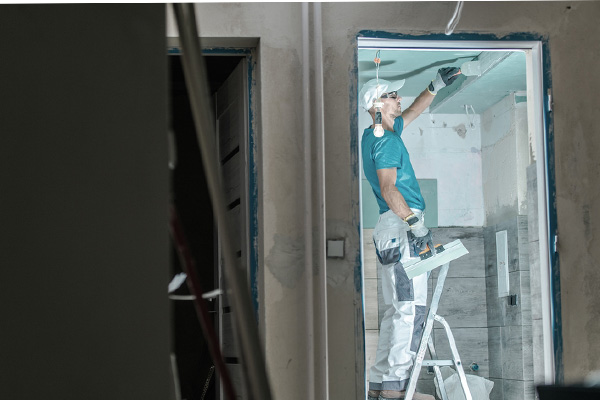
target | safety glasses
x=391, y=95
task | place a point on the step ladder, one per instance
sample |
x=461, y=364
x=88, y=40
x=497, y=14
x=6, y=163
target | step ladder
x=427, y=343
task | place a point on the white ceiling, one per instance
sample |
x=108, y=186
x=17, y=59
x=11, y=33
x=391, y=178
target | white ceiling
x=419, y=67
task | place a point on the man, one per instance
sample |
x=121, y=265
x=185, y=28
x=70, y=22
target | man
x=399, y=232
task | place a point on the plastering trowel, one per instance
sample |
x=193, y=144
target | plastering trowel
x=471, y=68
x=427, y=261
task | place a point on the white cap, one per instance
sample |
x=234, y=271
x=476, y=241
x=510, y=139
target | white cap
x=370, y=92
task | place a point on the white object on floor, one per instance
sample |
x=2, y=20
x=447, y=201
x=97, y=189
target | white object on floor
x=177, y=281
x=480, y=387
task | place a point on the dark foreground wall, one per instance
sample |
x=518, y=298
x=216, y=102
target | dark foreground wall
x=83, y=194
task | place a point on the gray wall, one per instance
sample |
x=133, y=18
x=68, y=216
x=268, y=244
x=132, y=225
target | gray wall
x=504, y=142
x=510, y=341
x=83, y=202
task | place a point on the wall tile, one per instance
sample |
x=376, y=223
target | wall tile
x=497, y=392
x=523, y=243
x=527, y=353
x=525, y=298
x=535, y=282
x=512, y=352
x=518, y=389
x=426, y=386
x=471, y=344
x=489, y=241
x=463, y=302
x=495, y=304
x=513, y=315
x=470, y=265
x=538, y=350
x=495, y=352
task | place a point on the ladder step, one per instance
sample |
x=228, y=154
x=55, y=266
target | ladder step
x=439, y=363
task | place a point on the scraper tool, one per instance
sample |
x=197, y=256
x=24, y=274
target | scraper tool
x=426, y=261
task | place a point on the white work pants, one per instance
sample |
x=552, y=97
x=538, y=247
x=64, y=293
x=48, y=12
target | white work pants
x=406, y=304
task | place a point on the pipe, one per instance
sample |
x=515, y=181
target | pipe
x=246, y=329
x=319, y=118
x=308, y=237
x=314, y=202
x=455, y=18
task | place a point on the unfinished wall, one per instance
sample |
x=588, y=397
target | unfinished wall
x=571, y=29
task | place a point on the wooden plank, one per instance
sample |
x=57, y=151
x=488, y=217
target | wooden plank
x=369, y=255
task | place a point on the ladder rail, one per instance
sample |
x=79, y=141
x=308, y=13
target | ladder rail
x=456, y=357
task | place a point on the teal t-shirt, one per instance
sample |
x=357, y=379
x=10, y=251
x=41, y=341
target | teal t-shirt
x=389, y=151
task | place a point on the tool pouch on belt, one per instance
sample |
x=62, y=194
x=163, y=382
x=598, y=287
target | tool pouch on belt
x=387, y=246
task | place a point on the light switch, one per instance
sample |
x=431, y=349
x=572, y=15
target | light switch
x=335, y=248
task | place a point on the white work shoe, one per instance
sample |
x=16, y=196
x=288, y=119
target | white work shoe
x=395, y=395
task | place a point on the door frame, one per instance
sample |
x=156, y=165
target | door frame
x=539, y=80
x=247, y=48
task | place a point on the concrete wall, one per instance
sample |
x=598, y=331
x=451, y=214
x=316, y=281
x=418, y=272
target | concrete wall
x=84, y=245
x=571, y=30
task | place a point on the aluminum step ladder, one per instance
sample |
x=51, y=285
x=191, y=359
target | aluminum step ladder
x=427, y=343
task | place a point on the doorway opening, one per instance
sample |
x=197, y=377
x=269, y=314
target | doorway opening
x=479, y=154
x=227, y=76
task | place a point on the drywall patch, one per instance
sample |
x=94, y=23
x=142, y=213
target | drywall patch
x=461, y=130
x=286, y=260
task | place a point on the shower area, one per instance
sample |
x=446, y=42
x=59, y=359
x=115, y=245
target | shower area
x=475, y=154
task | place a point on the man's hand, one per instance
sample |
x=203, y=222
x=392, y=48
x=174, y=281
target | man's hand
x=422, y=236
x=445, y=77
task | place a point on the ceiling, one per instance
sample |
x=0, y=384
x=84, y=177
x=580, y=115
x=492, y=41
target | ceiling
x=503, y=73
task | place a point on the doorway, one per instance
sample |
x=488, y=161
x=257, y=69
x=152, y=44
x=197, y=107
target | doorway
x=479, y=153
x=227, y=79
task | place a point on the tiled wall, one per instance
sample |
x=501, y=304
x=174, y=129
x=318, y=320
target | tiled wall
x=510, y=328
x=535, y=276
x=463, y=303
